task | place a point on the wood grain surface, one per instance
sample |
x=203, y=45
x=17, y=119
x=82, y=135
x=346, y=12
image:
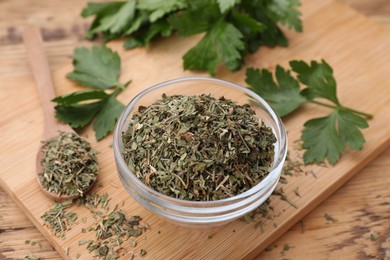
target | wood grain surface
x=361, y=207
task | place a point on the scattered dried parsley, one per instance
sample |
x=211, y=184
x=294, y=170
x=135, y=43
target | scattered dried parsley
x=330, y=218
x=58, y=219
x=143, y=252
x=286, y=248
x=69, y=165
x=30, y=257
x=111, y=228
x=373, y=237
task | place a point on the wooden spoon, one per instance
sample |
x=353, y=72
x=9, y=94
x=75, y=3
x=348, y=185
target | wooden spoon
x=36, y=55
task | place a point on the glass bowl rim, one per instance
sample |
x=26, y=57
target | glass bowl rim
x=117, y=142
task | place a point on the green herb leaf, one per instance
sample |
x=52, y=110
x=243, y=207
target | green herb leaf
x=318, y=77
x=100, y=10
x=272, y=35
x=321, y=140
x=161, y=27
x=159, y=8
x=349, y=125
x=106, y=110
x=324, y=137
x=107, y=116
x=239, y=26
x=80, y=96
x=195, y=19
x=118, y=21
x=283, y=96
x=223, y=43
x=225, y=5
x=287, y=13
x=327, y=137
x=98, y=68
x=77, y=115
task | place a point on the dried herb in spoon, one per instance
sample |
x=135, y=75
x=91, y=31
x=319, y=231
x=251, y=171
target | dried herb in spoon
x=198, y=147
x=69, y=165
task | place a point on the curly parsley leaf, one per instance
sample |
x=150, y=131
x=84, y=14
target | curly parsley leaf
x=97, y=68
x=223, y=43
x=325, y=137
x=283, y=96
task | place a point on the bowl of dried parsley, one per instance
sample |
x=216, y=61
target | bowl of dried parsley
x=199, y=151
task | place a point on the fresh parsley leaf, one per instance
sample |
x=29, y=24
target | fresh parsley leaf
x=225, y=5
x=118, y=21
x=140, y=18
x=106, y=118
x=79, y=96
x=195, y=19
x=159, y=8
x=321, y=140
x=98, y=68
x=283, y=96
x=100, y=10
x=77, y=115
x=272, y=35
x=324, y=137
x=349, y=125
x=327, y=137
x=162, y=27
x=223, y=43
x=249, y=24
x=286, y=13
x=73, y=110
x=318, y=77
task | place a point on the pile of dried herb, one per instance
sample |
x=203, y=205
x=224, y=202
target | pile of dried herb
x=198, y=147
x=112, y=227
x=111, y=231
x=58, y=219
x=69, y=165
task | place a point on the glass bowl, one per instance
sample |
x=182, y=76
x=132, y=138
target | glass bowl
x=201, y=213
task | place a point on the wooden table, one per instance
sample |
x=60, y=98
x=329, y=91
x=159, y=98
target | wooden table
x=361, y=207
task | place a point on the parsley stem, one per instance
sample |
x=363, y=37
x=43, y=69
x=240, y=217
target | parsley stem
x=366, y=115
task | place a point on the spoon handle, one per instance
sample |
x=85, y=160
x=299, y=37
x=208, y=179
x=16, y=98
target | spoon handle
x=39, y=65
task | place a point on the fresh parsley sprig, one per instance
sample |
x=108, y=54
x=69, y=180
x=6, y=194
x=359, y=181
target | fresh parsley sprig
x=323, y=137
x=232, y=28
x=98, y=68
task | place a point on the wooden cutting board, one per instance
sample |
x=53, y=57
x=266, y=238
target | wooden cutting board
x=355, y=47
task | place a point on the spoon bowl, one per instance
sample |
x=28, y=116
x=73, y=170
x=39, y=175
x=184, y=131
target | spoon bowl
x=39, y=65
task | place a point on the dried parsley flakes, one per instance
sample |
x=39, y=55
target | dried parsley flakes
x=69, y=165
x=198, y=147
